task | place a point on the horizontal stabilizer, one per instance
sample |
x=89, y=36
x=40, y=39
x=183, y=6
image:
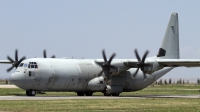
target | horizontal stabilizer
x=179, y=62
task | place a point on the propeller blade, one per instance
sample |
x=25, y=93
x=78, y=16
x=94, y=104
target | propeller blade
x=99, y=74
x=135, y=72
x=16, y=55
x=16, y=62
x=104, y=55
x=23, y=58
x=9, y=69
x=144, y=75
x=106, y=65
x=44, y=54
x=141, y=63
x=98, y=63
x=9, y=58
x=145, y=55
x=111, y=58
x=137, y=55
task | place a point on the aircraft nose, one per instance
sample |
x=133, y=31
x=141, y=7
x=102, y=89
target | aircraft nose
x=17, y=79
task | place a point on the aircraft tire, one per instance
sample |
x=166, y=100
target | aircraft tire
x=88, y=93
x=30, y=92
x=106, y=94
x=115, y=94
x=80, y=93
x=27, y=93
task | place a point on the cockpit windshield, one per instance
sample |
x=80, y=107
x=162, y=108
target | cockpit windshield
x=25, y=65
x=21, y=65
x=32, y=65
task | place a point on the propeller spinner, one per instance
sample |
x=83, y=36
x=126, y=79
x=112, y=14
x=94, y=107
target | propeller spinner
x=106, y=65
x=15, y=62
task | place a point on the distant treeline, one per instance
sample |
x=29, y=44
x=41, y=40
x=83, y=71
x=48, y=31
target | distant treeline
x=169, y=81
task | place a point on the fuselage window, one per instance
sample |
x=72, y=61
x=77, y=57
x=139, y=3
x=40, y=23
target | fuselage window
x=20, y=65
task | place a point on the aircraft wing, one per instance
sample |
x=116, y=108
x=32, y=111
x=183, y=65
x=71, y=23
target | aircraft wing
x=5, y=62
x=168, y=62
x=179, y=62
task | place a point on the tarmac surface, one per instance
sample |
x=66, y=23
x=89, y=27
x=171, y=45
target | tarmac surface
x=86, y=97
x=92, y=97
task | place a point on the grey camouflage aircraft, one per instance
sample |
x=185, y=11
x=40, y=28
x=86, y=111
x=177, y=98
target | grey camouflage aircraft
x=109, y=76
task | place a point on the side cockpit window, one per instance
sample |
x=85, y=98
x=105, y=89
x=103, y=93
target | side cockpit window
x=21, y=65
x=33, y=65
x=25, y=65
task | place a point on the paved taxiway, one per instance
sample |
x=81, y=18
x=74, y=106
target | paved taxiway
x=92, y=97
x=8, y=86
x=87, y=97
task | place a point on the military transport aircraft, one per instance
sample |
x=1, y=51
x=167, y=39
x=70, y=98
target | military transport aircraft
x=109, y=76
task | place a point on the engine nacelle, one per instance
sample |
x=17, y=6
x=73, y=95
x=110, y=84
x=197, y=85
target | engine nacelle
x=96, y=84
x=154, y=66
x=120, y=67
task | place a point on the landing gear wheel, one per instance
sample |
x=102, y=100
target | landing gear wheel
x=115, y=94
x=30, y=92
x=88, y=93
x=27, y=93
x=106, y=94
x=80, y=93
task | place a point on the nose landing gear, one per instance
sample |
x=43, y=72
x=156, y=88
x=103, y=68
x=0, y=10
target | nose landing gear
x=30, y=92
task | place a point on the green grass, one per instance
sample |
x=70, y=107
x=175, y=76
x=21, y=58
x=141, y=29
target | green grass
x=140, y=105
x=135, y=104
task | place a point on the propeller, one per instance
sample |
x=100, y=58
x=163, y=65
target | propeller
x=16, y=62
x=45, y=54
x=106, y=65
x=141, y=63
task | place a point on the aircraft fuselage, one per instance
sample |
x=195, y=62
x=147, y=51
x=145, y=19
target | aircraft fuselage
x=78, y=75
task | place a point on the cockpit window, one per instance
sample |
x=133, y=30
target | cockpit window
x=33, y=65
x=21, y=64
x=25, y=65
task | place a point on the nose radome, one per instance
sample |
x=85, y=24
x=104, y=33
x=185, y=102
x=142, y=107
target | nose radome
x=11, y=78
x=17, y=79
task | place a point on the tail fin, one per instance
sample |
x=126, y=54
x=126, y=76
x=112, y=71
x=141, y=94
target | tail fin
x=170, y=45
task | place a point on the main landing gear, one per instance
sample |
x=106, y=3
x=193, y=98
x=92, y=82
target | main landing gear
x=30, y=92
x=109, y=94
x=89, y=93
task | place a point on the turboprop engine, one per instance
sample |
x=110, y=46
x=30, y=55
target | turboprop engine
x=97, y=84
x=152, y=67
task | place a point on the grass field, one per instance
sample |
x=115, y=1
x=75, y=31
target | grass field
x=135, y=104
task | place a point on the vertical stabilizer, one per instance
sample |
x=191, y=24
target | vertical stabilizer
x=170, y=45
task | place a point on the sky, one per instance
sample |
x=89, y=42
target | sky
x=82, y=28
